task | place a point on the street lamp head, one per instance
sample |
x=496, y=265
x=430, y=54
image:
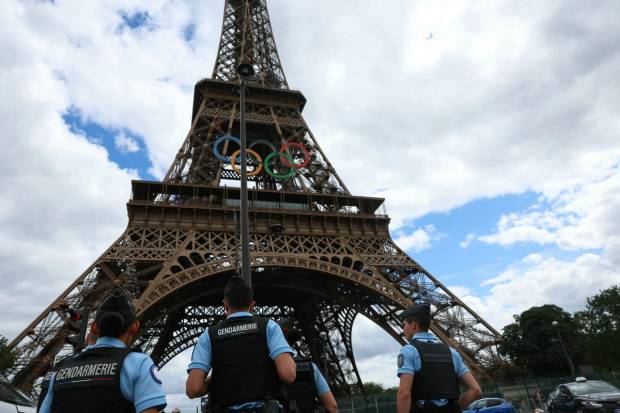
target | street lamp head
x=245, y=70
x=554, y=323
x=276, y=228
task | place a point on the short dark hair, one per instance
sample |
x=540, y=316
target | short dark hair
x=115, y=314
x=238, y=293
x=423, y=321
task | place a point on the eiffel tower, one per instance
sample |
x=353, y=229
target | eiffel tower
x=318, y=252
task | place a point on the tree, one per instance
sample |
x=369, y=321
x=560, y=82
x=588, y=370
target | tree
x=600, y=326
x=373, y=388
x=7, y=355
x=532, y=343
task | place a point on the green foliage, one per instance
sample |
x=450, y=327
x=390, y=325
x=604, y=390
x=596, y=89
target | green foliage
x=373, y=388
x=7, y=356
x=600, y=325
x=532, y=343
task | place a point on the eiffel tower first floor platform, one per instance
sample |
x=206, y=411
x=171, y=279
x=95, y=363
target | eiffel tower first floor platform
x=331, y=259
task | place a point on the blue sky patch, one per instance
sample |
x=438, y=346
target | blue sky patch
x=135, y=20
x=124, y=148
x=189, y=32
x=454, y=265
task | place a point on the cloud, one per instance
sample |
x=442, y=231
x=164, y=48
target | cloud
x=418, y=240
x=468, y=239
x=63, y=201
x=126, y=144
x=375, y=352
x=498, y=103
x=583, y=217
x=538, y=280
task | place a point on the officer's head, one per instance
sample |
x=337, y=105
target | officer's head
x=116, y=317
x=238, y=296
x=290, y=331
x=416, y=319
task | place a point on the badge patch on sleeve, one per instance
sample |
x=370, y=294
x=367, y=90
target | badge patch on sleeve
x=155, y=374
x=401, y=360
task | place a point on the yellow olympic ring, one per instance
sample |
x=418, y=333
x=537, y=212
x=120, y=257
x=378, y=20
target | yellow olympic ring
x=233, y=162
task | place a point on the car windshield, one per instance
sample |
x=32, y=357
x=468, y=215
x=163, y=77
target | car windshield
x=11, y=395
x=591, y=387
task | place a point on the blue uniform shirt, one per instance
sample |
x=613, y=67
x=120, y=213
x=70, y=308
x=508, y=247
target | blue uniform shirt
x=319, y=381
x=409, y=360
x=276, y=343
x=139, y=380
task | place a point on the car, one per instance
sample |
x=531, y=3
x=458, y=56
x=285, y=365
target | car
x=585, y=396
x=12, y=400
x=490, y=405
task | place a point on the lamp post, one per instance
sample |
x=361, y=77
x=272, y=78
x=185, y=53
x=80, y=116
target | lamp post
x=244, y=70
x=274, y=228
x=324, y=338
x=568, y=359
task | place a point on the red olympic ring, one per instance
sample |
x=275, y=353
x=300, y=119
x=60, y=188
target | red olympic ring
x=299, y=146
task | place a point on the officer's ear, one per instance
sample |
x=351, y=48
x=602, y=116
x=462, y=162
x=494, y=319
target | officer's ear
x=134, y=328
x=94, y=330
x=251, y=307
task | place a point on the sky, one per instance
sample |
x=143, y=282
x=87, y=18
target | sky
x=490, y=127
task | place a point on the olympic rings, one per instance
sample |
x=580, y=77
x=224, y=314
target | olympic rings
x=233, y=162
x=221, y=139
x=284, y=156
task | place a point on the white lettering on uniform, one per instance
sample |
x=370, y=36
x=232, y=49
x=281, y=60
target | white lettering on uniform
x=237, y=329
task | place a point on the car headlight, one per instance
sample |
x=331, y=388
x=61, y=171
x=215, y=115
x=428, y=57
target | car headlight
x=591, y=404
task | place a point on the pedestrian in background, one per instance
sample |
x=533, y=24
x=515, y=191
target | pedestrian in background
x=310, y=391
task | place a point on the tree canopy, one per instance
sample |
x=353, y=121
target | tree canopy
x=599, y=324
x=591, y=336
x=7, y=356
x=532, y=342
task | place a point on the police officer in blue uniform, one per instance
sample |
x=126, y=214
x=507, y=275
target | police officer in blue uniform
x=249, y=356
x=309, y=383
x=108, y=376
x=429, y=370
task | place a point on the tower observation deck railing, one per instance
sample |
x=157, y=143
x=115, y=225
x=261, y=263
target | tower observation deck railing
x=154, y=193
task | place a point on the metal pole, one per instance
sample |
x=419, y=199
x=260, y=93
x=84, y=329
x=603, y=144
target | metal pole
x=245, y=230
x=237, y=258
x=568, y=359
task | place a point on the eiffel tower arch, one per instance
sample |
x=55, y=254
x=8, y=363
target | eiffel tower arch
x=318, y=252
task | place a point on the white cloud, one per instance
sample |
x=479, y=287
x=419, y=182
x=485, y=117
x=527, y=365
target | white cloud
x=468, y=239
x=375, y=352
x=536, y=280
x=582, y=217
x=126, y=144
x=418, y=240
x=62, y=203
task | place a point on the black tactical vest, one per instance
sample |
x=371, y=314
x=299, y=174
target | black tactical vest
x=90, y=382
x=302, y=394
x=436, y=378
x=242, y=369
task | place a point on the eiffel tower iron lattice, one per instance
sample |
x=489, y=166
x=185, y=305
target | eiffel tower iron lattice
x=333, y=261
